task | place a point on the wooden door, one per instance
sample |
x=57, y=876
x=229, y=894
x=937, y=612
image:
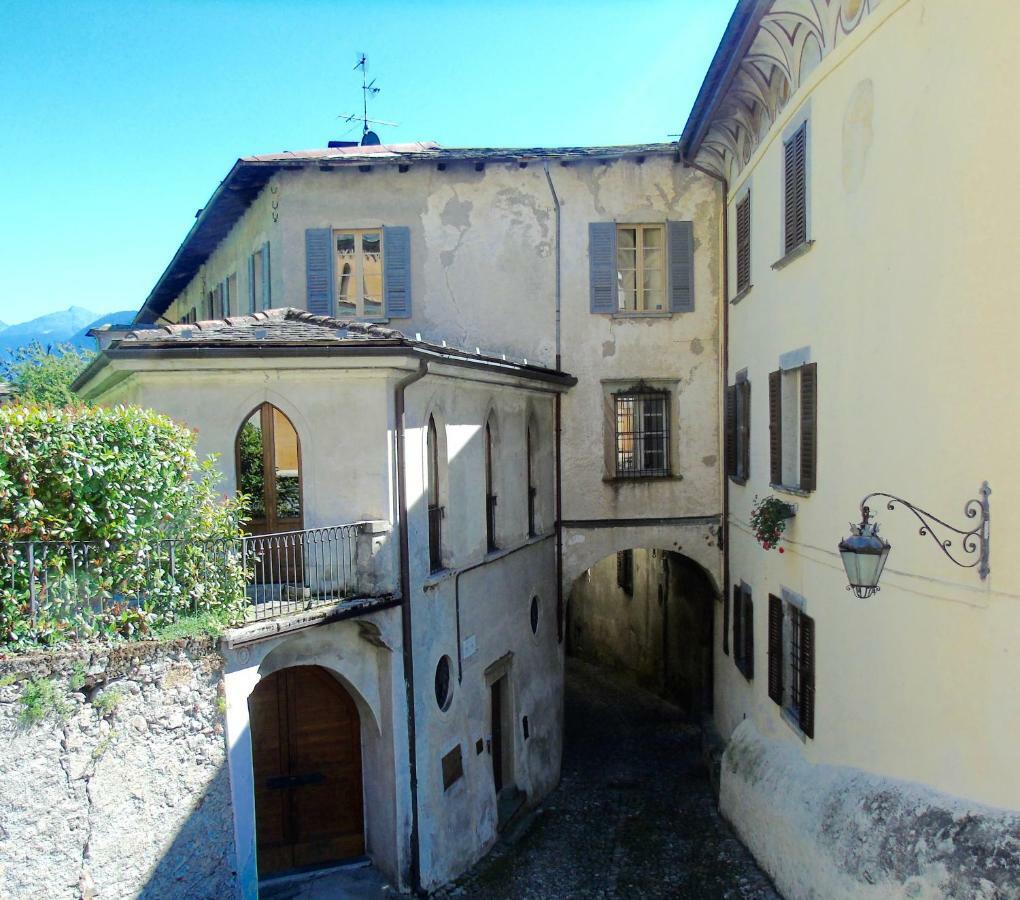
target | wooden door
x=497, y=733
x=306, y=748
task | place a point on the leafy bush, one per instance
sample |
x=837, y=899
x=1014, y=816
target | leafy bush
x=44, y=375
x=125, y=526
x=40, y=699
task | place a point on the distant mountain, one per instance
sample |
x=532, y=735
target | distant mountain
x=68, y=326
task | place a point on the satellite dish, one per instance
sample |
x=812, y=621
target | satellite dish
x=370, y=139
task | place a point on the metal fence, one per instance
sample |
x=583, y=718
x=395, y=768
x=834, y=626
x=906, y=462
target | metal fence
x=84, y=587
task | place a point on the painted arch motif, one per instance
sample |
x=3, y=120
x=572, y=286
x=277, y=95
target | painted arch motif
x=793, y=38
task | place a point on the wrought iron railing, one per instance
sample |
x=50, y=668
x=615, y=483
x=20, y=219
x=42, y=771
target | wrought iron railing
x=53, y=589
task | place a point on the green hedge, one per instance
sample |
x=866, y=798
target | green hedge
x=127, y=526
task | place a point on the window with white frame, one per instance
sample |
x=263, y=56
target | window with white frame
x=358, y=270
x=793, y=427
x=641, y=268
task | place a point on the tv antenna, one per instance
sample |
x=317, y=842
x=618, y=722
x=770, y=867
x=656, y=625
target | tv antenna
x=368, y=89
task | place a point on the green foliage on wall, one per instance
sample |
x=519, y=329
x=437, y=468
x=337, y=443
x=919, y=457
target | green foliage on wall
x=43, y=375
x=127, y=526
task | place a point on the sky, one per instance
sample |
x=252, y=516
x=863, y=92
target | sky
x=119, y=119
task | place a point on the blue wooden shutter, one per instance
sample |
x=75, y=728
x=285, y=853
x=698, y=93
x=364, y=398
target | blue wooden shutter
x=680, y=241
x=267, y=284
x=397, y=271
x=251, y=284
x=602, y=266
x=318, y=270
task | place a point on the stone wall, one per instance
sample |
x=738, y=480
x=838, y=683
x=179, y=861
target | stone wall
x=833, y=831
x=120, y=788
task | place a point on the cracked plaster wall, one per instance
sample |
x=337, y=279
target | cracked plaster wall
x=834, y=831
x=129, y=801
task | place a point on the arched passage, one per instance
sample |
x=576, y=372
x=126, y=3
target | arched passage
x=648, y=613
x=306, y=756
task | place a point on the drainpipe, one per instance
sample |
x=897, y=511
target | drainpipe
x=405, y=612
x=558, y=414
x=725, y=362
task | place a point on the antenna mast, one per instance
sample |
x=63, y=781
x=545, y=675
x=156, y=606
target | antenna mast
x=367, y=88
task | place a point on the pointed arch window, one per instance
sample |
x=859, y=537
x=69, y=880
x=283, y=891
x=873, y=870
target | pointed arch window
x=435, y=509
x=268, y=458
x=490, y=493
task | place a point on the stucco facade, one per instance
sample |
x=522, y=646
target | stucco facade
x=901, y=297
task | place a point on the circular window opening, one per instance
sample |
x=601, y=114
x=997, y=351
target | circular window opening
x=444, y=689
x=534, y=615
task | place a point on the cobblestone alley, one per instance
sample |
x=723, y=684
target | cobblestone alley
x=633, y=815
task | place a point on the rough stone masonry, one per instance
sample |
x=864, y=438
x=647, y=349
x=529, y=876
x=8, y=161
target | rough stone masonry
x=120, y=788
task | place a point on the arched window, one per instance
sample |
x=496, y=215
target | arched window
x=435, y=509
x=532, y=490
x=268, y=455
x=490, y=495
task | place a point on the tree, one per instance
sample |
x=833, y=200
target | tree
x=43, y=375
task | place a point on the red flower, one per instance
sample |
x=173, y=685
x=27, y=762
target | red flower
x=781, y=550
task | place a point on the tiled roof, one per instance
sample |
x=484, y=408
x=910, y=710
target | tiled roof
x=284, y=326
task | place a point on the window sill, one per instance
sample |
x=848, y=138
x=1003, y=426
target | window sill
x=741, y=480
x=639, y=479
x=644, y=314
x=741, y=294
x=796, y=253
x=790, y=719
x=434, y=579
x=789, y=489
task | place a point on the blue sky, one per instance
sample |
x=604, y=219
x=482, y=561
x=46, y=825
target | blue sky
x=119, y=119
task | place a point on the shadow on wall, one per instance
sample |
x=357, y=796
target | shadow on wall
x=647, y=613
x=200, y=861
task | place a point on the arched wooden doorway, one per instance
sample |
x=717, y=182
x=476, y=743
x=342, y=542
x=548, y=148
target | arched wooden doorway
x=306, y=751
x=268, y=455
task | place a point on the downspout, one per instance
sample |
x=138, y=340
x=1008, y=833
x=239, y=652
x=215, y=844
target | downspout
x=558, y=416
x=405, y=612
x=725, y=361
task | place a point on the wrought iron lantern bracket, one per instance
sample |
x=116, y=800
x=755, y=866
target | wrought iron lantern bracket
x=973, y=549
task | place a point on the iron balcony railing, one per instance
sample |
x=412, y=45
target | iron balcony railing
x=83, y=587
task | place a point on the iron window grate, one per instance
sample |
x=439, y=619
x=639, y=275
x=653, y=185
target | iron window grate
x=642, y=434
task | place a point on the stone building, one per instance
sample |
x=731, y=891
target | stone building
x=500, y=367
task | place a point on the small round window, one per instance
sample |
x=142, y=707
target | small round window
x=444, y=689
x=534, y=615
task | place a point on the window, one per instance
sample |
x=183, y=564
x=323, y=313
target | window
x=435, y=510
x=795, y=231
x=744, y=244
x=743, y=630
x=359, y=272
x=793, y=427
x=792, y=662
x=642, y=433
x=641, y=268
x=625, y=571
x=230, y=296
x=258, y=280
x=532, y=490
x=738, y=429
x=490, y=496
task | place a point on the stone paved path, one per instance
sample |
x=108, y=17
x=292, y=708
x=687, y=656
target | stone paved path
x=633, y=816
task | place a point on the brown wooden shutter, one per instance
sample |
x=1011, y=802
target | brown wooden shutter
x=808, y=427
x=731, y=431
x=738, y=627
x=744, y=427
x=744, y=243
x=795, y=190
x=748, y=635
x=776, y=427
x=726, y=623
x=776, y=649
x=806, y=712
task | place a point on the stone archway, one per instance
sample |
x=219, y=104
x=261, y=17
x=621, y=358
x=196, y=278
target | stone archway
x=648, y=613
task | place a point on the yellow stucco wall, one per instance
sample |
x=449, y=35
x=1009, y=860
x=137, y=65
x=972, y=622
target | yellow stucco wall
x=907, y=303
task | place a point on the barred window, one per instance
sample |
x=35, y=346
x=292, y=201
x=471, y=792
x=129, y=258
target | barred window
x=642, y=434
